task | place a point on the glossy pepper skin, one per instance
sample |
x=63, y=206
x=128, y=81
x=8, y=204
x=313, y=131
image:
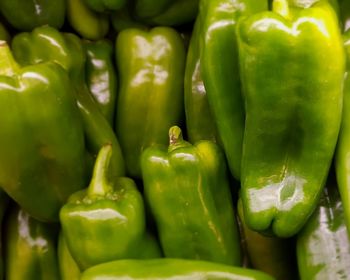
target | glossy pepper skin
x=30, y=248
x=163, y=269
x=101, y=76
x=342, y=160
x=199, y=120
x=48, y=44
x=69, y=270
x=105, y=5
x=86, y=22
x=220, y=70
x=151, y=67
x=25, y=15
x=187, y=190
x=271, y=255
x=291, y=126
x=106, y=221
x=37, y=104
x=323, y=245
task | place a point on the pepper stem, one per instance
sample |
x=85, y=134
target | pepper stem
x=176, y=139
x=99, y=184
x=8, y=65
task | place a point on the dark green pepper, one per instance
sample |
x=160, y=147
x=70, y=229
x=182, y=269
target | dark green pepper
x=220, y=70
x=292, y=69
x=150, y=100
x=25, y=15
x=48, y=44
x=106, y=221
x=101, y=76
x=30, y=248
x=165, y=269
x=323, y=245
x=187, y=190
x=42, y=141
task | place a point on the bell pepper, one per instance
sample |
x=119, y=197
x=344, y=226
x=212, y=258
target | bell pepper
x=323, y=245
x=30, y=248
x=199, y=120
x=86, y=22
x=101, y=76
x=164, y=269
x=187, y=190
x=4, y=34
x=69, y=270
x=48, y=44
x=269, y=254
x=123, y=19
x=293, y=99
x=106, y=221
x=342, y=156
x=42, y=141
x=25, y=15
x=344, y=7
x=105, y=5
x=150, y=100
x=220, y=70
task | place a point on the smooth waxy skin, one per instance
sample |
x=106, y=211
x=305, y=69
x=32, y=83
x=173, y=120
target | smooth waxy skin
x=342, y=156
x=323, y=245
x=48, y=44
x=25, y=15
x=150, y=100
x=271, y=255
x=105, y=5
x=164, y=269
x=200, y=222
x=69, y=270
x=101, y=76
x=30, y=248
x=86, y=22
x=220, y=70
x=42, y=140
x=199, y=120
x=291, y=126
x=106, y=221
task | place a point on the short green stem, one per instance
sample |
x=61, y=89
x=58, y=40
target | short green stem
x=176, y=139
x=99, y=184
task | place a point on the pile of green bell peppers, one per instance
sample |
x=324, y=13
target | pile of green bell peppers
x=175, y=139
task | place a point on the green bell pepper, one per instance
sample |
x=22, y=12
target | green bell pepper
x=269, y=254
x=323, y=245
x=69, y=270
x=199, y=120
x=220, y=70
x=86, y=22
x=25, y=15
x=345, y=14
x=105, y=5
x=342, y=156
x=42, y=141
x=150, y=100
x=101, y=76
x=30, y=248
x=106, y=221
x=123, y=19
x=187, y=190
x=293, y=99
x=4, y=34
x=48, y=44
x=164, y=269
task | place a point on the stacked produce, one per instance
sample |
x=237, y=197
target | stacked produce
x=175, y=139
